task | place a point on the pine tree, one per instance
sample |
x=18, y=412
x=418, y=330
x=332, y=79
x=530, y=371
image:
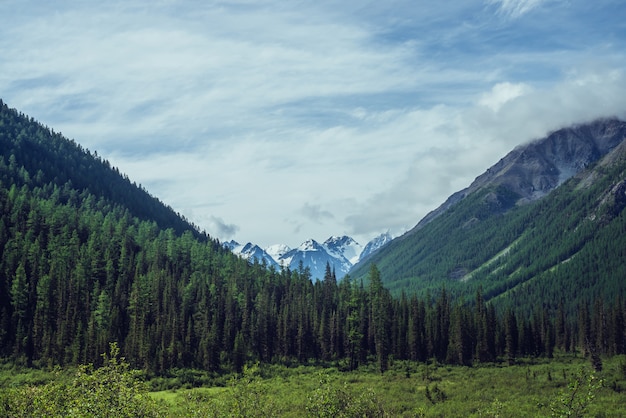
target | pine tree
x=441, y=325
x=380, y=307
x=511, y=336
x=354, y=333
x=459, y=346
x=481, y=327
x=19, y=302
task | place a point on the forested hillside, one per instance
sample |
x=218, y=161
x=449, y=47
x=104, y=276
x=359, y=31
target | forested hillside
x=39, y=157
x=566, y=248
x=80, y=269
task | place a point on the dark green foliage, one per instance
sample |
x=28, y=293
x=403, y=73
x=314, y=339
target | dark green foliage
x=380, y=319
x=37, y=156
x=81, y=278
x=80, y=268
x=434, y=395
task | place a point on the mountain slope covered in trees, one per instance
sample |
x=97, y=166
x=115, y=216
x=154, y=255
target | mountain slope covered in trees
x=40, y=157
x=568, y=246
x=82, y=267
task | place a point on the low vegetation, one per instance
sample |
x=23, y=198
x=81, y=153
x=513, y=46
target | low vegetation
x=113, y=390
x=562, y=387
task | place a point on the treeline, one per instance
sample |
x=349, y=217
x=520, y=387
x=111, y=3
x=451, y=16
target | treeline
x=77, y=273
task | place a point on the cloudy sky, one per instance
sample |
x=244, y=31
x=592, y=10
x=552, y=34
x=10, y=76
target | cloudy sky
x=275, y=121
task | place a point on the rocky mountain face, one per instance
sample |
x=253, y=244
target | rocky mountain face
x=316, y=256
x=532, y=170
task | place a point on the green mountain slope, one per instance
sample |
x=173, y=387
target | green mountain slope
x=39, y=157
x=567, y=246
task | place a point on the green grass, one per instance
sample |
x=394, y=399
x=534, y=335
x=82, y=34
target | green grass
x=12, y=375
x=525, y=390
x=528, y=389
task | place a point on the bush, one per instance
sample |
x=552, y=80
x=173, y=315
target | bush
x=581, y=392
x=109, y=391
x=245, y=396
x=332, y=400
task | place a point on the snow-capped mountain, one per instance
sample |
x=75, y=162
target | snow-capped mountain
x=339, y=252
x=344, y=247
x=231, y=245
x=316, y=256
x=374, y=245
x=250, y=252
x=276, y=251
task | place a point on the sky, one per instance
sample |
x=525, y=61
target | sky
x=273, y=121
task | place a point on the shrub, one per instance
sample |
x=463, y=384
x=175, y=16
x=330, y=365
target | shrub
x=334, y=400
x=581, y=392
x=245, y=396
x=112, y=390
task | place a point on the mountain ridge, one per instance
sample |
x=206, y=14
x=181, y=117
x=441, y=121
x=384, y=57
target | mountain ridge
x=534, y=169
x=340, y=252
x=54, y=159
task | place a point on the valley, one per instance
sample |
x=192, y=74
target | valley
x=102, y=283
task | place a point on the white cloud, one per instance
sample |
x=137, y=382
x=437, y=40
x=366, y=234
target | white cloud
x=502, y=93
x=315, y=213
x=459, y=144
x=258, y=119
x=222, y=229
x=516, y=8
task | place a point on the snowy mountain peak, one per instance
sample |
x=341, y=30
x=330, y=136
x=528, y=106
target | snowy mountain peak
x=344, y=247
x=249, y=247
x=251, y=252
x=277, y=250
x=231, y=245
x=310, y=245
x=336, y=241
x=315, y=257
x=375, y=244
x=340, y=252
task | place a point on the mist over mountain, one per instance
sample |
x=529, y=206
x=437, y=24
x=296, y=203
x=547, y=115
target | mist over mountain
x=533, y=170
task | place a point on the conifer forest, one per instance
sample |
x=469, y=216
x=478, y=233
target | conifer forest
x=89, y=259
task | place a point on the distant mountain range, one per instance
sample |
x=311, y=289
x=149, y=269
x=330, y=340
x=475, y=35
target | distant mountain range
x=339, y=252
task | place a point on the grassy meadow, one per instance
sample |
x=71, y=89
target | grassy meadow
x=563, y=386
x=531, y=388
